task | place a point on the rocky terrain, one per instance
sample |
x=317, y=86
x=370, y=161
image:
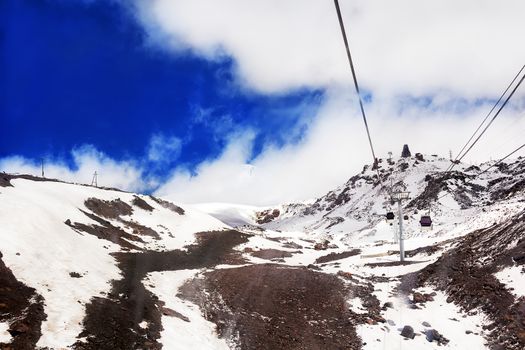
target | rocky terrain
x=96, y=268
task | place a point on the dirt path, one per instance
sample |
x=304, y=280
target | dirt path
x=114, y=322
x=276, y=307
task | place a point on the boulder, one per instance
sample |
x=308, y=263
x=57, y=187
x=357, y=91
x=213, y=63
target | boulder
x=408, y=332
x=433, y=335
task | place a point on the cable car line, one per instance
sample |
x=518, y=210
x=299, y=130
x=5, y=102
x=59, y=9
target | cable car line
x=356, y=85
x=502, y=159
x=491, y=121
x=485, y=119
x=490, y=167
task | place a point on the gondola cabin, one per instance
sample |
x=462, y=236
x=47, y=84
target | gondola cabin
x=390, y=215
x=425, y=221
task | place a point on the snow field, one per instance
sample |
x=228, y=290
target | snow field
x=179, y=334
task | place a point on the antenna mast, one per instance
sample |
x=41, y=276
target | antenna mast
x=94, y=181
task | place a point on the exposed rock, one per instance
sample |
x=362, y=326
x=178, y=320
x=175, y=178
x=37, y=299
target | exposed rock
x=5, y=180
x=168, y=205
x=433, y=335
x=473, y=286
x=166, y=311
x=387, y=305
x=292, y=245
x=313, y=267
x=347, y=275
x=408, y=332
x=141, y=203
x=322, y=245
x=337, y=256
x=266, y=216
x=419, y=298
x=23, y=308
x=108, y=209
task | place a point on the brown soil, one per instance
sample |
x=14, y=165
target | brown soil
x=141, y=203
x=108, y=209
x=428, y=250
x=392, y=263
x=276, y=307
x=106, y=231
x=22, y=308
x=270, y=254
x=5, y=180
x=337, y=256
x=113, y=322
x=168, y=205
x=471, y=284
x=140, y=230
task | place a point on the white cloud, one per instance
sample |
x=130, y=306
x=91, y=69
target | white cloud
x=126, y=175
x=335, y=148
x=426, y=63
x=411, y=47
x=163, y=149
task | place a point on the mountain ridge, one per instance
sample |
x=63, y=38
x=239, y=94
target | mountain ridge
x=106, y=269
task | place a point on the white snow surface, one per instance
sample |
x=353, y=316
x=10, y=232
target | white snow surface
x=513, y=277
x=5, y=337
x=446, y=318
x=42, y=251
x=179, y=334
x=230, y=214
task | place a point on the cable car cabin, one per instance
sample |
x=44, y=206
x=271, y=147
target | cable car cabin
x=425, y=221
x=390, y=215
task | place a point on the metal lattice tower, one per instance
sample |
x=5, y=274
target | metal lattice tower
x=94, y=180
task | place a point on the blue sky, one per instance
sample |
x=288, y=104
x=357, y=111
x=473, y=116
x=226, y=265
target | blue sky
x=82, y=73
x=252, y=102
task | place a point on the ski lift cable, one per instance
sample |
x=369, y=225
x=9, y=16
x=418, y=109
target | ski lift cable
x=490, y=167
x=491, y=121
x=501, y=160
x=486, y=117
x=356, y=85
x=495, y=116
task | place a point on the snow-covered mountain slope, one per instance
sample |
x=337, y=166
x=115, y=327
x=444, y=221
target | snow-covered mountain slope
x=450, y=198
x=89, y=268
x=230, y=214
x=58, y=238
x=353, y=218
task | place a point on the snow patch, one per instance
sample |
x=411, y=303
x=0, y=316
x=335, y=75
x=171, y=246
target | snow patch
x=446, y=318
x=5, y=337
x=177, y=333
x=513, y=277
